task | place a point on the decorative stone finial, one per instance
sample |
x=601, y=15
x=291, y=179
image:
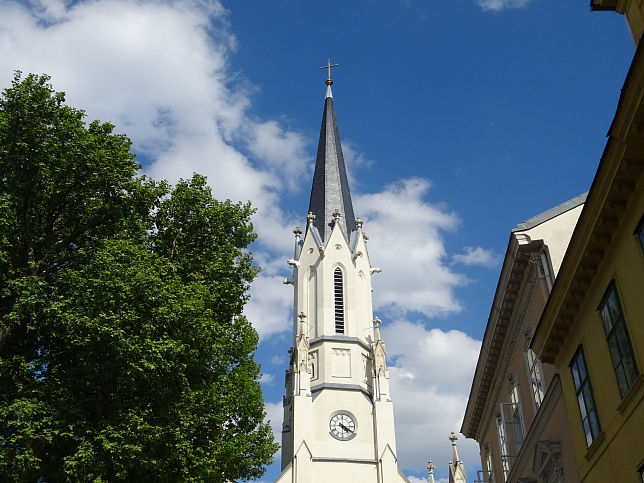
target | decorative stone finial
x=336, y=214
x=359, y=223
x=376, y=324
x=453, y=438
x=303, y=328
x=310, y=218
x=430, y=466
x=297, y=232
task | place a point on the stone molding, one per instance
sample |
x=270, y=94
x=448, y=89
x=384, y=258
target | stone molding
x=510, y=342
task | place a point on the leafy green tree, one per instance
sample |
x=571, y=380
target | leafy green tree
x=123, y=351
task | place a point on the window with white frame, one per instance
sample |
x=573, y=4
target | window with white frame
x=489, y=465
x=535, y=375
x=585, y=397
x=619, y=342
x=509, y=428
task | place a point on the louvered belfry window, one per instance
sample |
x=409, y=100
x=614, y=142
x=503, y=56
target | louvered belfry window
x=338, y=294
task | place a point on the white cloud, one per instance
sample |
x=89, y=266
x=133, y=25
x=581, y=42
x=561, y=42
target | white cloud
x=269, y=307
x=478, y=256
x=285, y=152
x=498, y=5
x=354, y=159
x=275, y=416
x=408, y=245
x=159, y=72
x=430, y=373
x=266, y=378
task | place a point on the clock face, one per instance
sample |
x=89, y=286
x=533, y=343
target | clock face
x=342, y=427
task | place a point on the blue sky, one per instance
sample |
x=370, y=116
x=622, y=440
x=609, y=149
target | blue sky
x=458, y=120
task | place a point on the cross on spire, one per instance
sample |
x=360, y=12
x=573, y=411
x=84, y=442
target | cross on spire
x=328, y=67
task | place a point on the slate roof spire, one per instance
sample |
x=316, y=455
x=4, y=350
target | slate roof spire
x=330, y=190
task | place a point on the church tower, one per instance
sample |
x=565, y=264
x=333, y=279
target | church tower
x=338, y=415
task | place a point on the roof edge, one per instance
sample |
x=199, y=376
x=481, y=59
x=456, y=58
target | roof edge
x=551, y=213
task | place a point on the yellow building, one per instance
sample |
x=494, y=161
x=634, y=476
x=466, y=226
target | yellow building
x=592, y=328
x=515, y=410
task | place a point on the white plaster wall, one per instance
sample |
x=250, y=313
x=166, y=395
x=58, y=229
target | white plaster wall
x=556, y=233
x=342, y=472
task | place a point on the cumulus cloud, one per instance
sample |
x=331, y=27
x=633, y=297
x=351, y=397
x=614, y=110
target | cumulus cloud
x=430, y=374
x=275, y=416
x=159, y=71
x=487, y=258
x=285, y=152
x=408, y=245
x=266, y=378
x=269, y=307
x=498, y=5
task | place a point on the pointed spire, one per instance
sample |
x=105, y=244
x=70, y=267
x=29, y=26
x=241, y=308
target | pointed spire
x=330, y=191
x=430, y=467
x=453, y=438
x=457, y=472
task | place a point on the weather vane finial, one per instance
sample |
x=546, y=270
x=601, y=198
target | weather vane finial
x=328, y=67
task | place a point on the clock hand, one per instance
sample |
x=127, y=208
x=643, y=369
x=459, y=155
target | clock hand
x=345, y=428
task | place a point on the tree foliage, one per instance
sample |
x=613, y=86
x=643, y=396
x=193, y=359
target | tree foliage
x=123, y=351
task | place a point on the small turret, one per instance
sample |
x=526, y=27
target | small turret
x=430, y=467
x=456, y=469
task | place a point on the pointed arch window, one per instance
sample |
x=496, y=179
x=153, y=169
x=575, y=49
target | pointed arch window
x=338, y=297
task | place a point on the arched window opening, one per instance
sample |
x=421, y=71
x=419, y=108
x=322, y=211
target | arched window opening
x=338, y=294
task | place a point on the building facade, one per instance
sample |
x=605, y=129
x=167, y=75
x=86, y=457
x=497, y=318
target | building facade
x=592, y=328
x=515, y=409
x=338, y=414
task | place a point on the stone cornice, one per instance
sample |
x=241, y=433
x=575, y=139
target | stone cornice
x=345, y=339
x=493, y=359
x=345, y=460
x=341, y=387
x=508, y=348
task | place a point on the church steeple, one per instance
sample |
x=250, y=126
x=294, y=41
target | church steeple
x=330, y=191
x=338, y=415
